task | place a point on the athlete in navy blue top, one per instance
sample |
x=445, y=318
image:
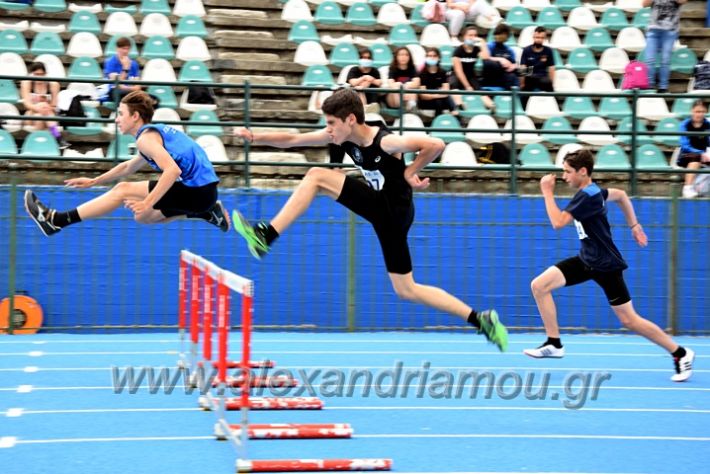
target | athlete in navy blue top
x=385, y=201
x=187, y=186
x=598, y=260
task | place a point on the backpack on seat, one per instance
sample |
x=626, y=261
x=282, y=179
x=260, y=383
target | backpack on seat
x=635, y=76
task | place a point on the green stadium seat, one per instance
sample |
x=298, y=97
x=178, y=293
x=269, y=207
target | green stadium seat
x=7, y=143
x=568, y=5
x=650, y=157
x=344, y=54
x=303, y=30
x=46, y=42
x=612, y=156
x=200, y=116
x=158, y=47
x=110, y=48
x=196, y=71
x=124, y=145
x=473, y=105
x=519, y=17
x=165, y=94
x=667, y=125
x=378, y=3
x=317, y=76
x=551, y=18
x=8, y=91
x=614, y=108
x=582, y=60
x=614, y=19
x=559, y=62
x=40, y=142
x=381, y=54
x=447, y=53
x=12, y=41
x=447, y=121
x=625, y=126
x=13, y=6
x=50, y=6
x=328, y=13
x=130, y=9
x=360, y=14
x=682, y=106
x=578, y=107
x=191, y=25
x=504, y=107
x=598, y=39
x=84, y=21
x=683, y=60
x=416, y=18
x=641, y=18
x=402, y=35
x=535, y=154
x=155, y=6
x=84, y=68
x=91, y=128
x=558, y=124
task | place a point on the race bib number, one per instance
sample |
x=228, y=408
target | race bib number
x=580, y=230
x=374, y=178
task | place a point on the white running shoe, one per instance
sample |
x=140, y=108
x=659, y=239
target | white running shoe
x=684, y=366
x=545, y=351
x=689, y=192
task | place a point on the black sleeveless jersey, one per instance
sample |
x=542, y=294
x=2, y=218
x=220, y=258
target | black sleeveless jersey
x=382, y=171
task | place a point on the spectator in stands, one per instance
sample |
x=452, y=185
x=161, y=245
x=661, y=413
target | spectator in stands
x=661, y=34
x=500, y=70
x=464, y=63
x=366, y=76
x=458, y=11
x=694, y=150
x=124, y=68
x=433, y=77
x=538, y=64
x=40, y=99
x=402, y=73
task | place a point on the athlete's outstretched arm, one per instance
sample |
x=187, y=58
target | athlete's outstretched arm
x=620, y=197
x=283, y=139
x=558, y=217
x=429, y=149
x=119, y=171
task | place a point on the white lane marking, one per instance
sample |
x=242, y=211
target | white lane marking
x=7, y=441
x=14, y=412
x=22, y=389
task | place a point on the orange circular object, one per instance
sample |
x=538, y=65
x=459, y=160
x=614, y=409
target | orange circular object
x=27, y=316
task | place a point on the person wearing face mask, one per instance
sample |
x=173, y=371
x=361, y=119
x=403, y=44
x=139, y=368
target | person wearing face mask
x=464, y=64
x=365, y=76
x=433, y=77
x=539, y=63
x=500, y=69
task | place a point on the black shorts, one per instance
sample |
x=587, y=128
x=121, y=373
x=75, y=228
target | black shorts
x=390, y=217
x=182, y=200
x=686, y=158
x=576, y=272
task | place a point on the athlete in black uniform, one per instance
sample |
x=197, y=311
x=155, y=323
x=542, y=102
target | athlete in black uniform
x=385, y=201
x=598, y=260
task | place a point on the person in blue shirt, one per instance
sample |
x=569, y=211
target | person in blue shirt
x=187, y=186
x=598, y=260
x=694, y=150
x=124, y=68
x=500, y=69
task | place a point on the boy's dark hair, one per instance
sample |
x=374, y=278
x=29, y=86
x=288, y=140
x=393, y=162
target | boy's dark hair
x=699, y=103
x=342, y=103
x=141, y=102
x=364, y=52
x=122, y=42
x=541, y=29
x=581, y=159
x=502, y=29
x=37, y=66
x=467, y=29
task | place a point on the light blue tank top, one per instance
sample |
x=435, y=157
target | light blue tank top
x=188, y=155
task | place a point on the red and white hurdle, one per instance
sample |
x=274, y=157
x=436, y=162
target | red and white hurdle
x=207, y=281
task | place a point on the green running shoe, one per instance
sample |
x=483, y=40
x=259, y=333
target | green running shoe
x=254, y=235
x=493, y=329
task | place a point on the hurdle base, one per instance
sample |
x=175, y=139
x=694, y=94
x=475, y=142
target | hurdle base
x=266, y=403
x=296, y=465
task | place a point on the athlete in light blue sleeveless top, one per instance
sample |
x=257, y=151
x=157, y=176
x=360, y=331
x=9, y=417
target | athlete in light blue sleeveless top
x=187, y=186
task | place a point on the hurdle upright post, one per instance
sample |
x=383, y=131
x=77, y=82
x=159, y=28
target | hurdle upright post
x=247, y=297
x=182, y=306
x=196, y=275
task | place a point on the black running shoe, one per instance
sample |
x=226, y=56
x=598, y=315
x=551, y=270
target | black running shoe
x=41, y=214
x=219, y=217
